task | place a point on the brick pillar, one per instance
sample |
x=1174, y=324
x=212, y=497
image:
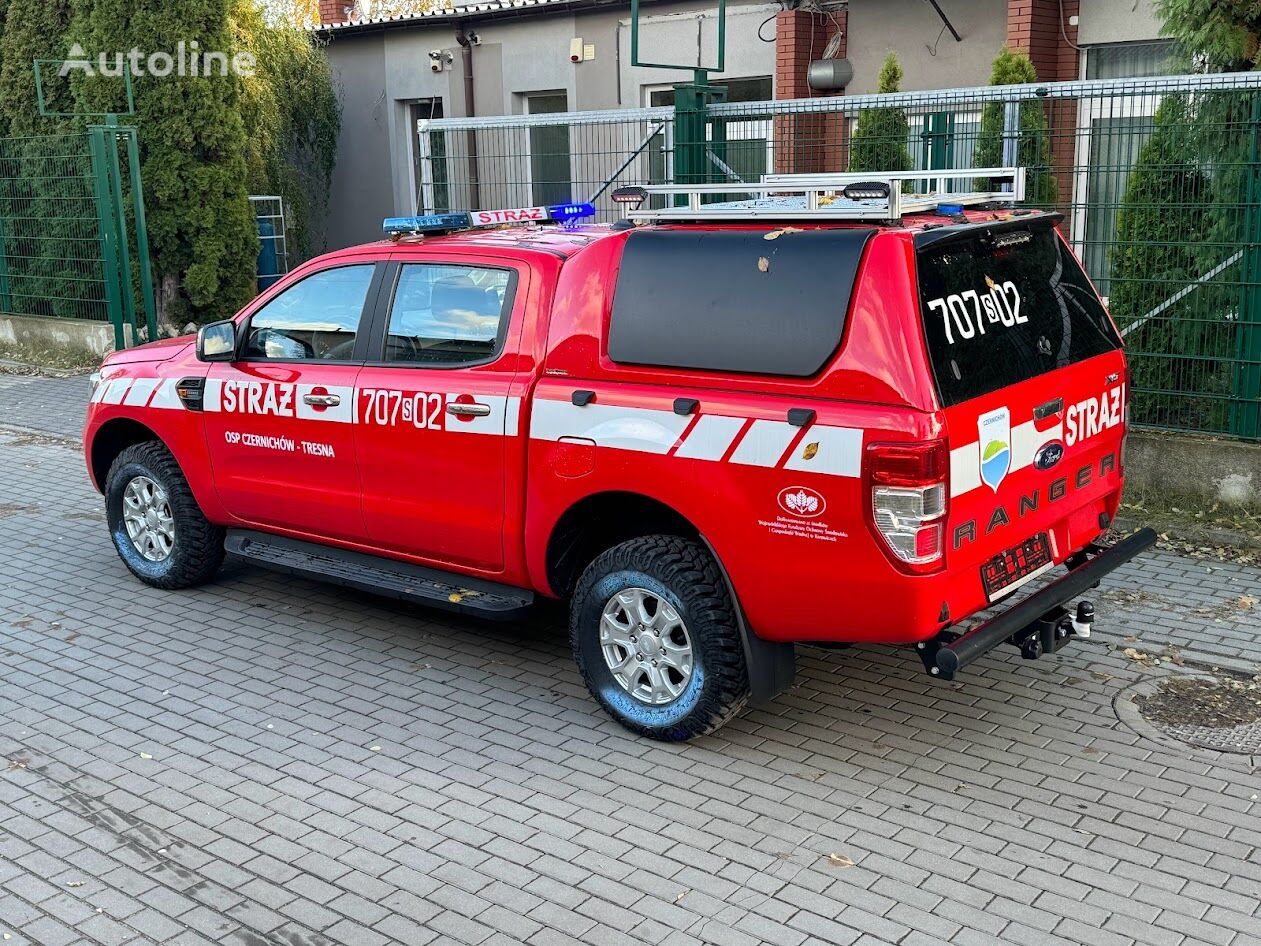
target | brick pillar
x=335, y=11
x=806, y=143
x=1034, y=27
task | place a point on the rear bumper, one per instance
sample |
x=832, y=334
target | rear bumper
x=1038, y=623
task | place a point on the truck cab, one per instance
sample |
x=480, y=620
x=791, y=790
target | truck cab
x=718, y=431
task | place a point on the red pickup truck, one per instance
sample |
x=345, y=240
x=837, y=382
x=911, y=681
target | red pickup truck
x=717, y=435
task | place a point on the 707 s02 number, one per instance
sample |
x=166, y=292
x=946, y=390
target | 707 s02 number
x=968, y=312
x=389, y=407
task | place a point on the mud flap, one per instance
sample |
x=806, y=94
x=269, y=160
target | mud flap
x=771, y=665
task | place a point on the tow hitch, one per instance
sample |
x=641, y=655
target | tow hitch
x=1039, y=624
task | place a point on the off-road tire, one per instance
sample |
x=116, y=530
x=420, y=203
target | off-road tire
x=197, y=549
x=683, y=573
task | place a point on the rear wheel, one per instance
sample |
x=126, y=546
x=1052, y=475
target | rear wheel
x=156, y=524
x=654, y=633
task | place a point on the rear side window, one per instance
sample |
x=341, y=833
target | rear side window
x=731, y=300
x=1001, y=307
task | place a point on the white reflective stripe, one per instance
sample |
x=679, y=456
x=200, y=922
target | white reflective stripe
x=711, y=437
x=840, y=452
x=764, y=443
x=1026, y=440
x=341, y=413
x=211, y=395
x=117, y=388
x=965, y=469
x=98, y=392
x=165, y=397
x=140, y=391
x=492, y=423
x=626, y=428
x=512, y=416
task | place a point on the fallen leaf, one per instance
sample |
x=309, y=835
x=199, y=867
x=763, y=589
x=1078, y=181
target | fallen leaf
x=840, y=860
x=776, y=234
x=145, y=755
x=1246, y=602
x=763, y=264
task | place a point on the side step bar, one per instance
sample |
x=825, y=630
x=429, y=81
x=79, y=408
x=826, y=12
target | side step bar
x=383, y=576
x=1038, y=623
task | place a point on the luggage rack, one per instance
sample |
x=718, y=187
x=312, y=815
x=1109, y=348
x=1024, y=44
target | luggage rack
x=841, y=196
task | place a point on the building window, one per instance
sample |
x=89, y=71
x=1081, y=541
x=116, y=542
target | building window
x=429, y=158
x=1132, y=60
x=551, y=180
x=1119, y=127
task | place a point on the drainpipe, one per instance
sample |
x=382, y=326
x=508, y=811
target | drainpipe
x=466, y=54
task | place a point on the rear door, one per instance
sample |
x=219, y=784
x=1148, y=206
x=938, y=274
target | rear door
x=1030, y=373
x=436, y=409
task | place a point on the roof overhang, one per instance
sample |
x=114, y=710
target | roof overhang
x=478, y=10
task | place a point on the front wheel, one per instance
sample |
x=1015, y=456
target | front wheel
x=654, y=633
x=155, y=522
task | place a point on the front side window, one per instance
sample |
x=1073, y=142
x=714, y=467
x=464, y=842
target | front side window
x=448, y=314
x=316, y=319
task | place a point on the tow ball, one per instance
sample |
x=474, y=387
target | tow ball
x=1052, y=631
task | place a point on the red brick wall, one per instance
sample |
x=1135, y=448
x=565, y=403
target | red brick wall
x=806, y=143
x=334, y=11
x=1035, y=27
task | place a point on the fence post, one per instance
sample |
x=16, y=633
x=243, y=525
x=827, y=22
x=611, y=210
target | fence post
x=6, y=298
x=691, y=130
x=108, y=228
x=114, y=171
x=1011, y=136
x=1245, y=412
x=142, y=234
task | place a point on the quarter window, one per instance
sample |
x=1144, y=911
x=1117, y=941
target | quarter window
x=448, y=314
x=316, y=319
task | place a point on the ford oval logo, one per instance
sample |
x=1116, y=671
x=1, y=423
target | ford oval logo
x=1048, y=455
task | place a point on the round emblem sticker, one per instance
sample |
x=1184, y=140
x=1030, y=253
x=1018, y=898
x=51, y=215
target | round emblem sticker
x=802, y=501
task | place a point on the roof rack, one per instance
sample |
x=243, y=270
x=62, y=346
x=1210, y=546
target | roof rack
x=845, y=196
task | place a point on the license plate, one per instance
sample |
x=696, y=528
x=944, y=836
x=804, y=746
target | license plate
x=1008, y=570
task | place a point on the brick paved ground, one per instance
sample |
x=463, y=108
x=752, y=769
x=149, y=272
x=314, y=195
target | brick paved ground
x=271, y=762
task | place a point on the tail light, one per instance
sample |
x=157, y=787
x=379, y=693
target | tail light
x=907, y=483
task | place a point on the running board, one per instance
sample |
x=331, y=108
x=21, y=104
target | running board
x=384, y=576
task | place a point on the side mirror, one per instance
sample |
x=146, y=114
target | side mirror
x=217, y=341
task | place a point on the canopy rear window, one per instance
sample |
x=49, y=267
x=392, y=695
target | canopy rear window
x=1001, y=306
x=732, y=300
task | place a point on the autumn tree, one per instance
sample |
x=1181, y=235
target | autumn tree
x=193, y=144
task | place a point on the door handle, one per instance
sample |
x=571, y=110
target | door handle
x=1049, y=409
x=321, y=400
x=468, y=410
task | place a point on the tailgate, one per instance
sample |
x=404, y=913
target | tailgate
x=1032, y=379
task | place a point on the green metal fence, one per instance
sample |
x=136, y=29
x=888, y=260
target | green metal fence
x=72, y=238
x=1159, y=181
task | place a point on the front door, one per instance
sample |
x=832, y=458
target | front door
x=437, y=414
x=280, y=420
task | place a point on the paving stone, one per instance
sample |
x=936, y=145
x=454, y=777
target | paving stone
x=504, y=808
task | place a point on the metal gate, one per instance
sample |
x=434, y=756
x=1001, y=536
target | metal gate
x=1158, y=179
x=73, y=242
